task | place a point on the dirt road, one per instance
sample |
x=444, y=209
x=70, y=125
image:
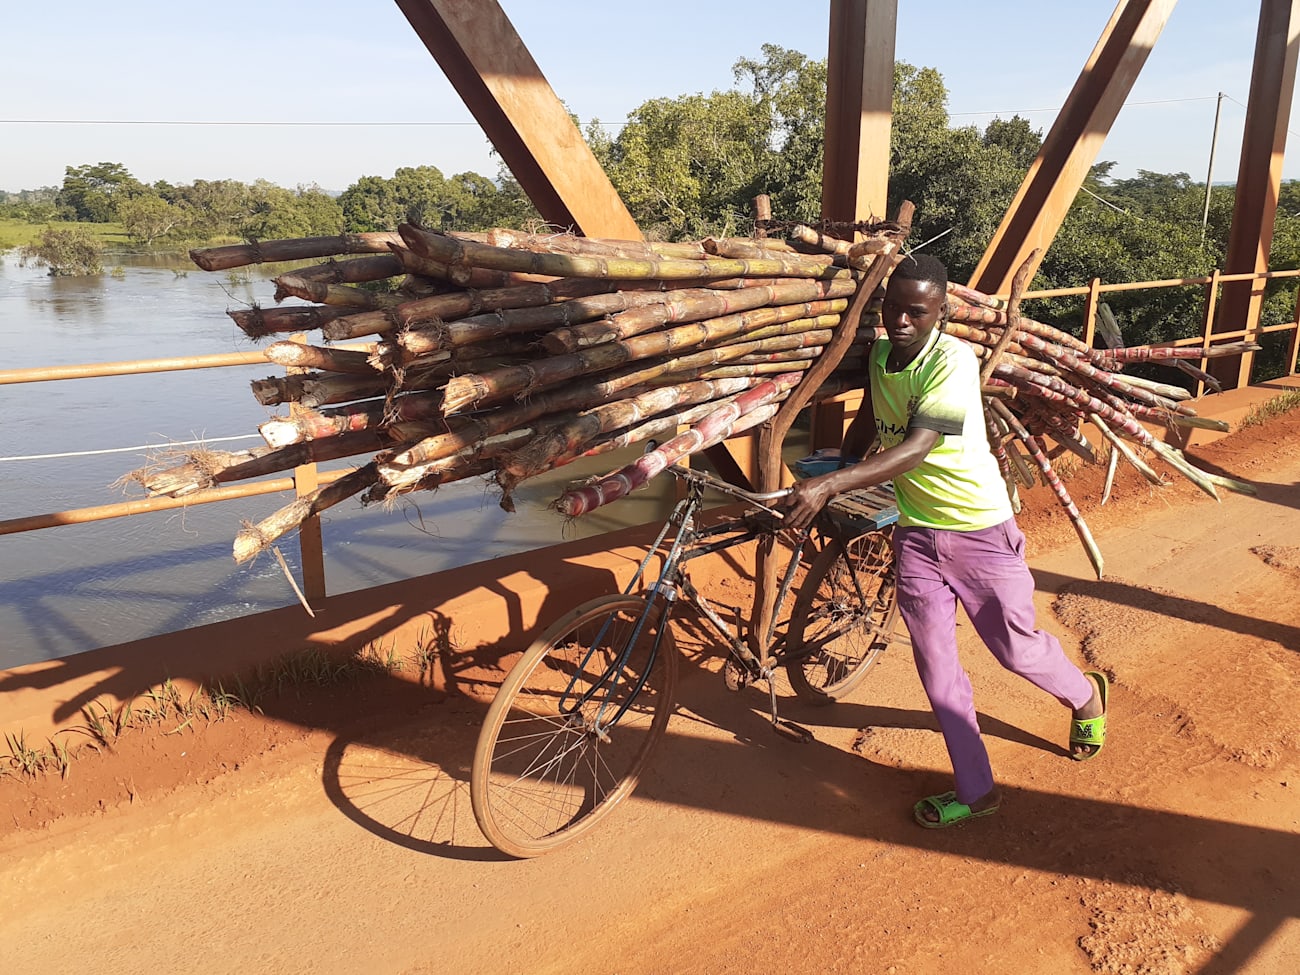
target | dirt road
x=335, y=836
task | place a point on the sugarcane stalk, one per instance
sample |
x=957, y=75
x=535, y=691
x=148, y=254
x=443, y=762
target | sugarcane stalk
x=567, y=435
x=298, y=454
x=815, y=238
x=342, y=295
x=972, y=297
x=461, y=276
x=653, y=428
x=1062, y=495
x=258, y=538
x=314, y=389
x=481, y=389
x=193, y=474
x=480, y=328
x=299, y=355
x=712, y=429
x=1066, y=434
x=393, y=354
x=459, y=304
x=444, y=248
x=1160, y=353
x=399, y=479
x=1198, y=374
x=1165, y=390
x=258, y=323
x=749, y=249
x=297, y=249
x=1112, y=465
x=1004, y=463
x=971, y=315
x=566, y=243
x=1120, y=447
x=1128, y=427
x=353, y=270
x=1231, y=483
x=308, y=424
x=692, y=306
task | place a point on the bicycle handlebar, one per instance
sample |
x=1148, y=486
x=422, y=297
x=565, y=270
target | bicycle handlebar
x=717, y=484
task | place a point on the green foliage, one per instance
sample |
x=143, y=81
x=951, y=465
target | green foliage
x=279, y=213
x=71, y=251
x=421, y=194
x=92, y=193
x=147, y=217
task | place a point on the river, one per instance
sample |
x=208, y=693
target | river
x=77, y=587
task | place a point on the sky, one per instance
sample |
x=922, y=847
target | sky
x=279, y=86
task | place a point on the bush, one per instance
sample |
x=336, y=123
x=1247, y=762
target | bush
x=65, y=252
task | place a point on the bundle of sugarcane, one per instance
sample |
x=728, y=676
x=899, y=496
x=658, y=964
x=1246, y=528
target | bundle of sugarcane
x=1041, y=385
x=510, y=354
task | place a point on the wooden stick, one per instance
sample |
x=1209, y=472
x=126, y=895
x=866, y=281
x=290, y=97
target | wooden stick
x=320, y=357
x=1018, y=284
x=298, y=249
x=258, y=538
x=444, y=248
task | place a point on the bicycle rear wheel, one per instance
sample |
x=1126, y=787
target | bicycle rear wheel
x=843, y=618
x=549, y=763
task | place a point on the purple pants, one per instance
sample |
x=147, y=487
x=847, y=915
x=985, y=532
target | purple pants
x=985, y=570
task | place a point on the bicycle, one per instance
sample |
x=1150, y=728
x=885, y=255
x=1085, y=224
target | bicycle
x=578, y=715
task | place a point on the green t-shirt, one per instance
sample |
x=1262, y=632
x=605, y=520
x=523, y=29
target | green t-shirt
x=958, y=486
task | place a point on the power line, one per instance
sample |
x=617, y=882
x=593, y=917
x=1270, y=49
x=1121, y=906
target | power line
x=127, y=450
x=239, y=122
x=443, y=124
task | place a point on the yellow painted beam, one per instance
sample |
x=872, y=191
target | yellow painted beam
x=1071, y=147
x=1259, y=178
x=489, y=66
x=859, y=108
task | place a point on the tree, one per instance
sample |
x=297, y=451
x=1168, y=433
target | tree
x=1017, y=137
x=91, y=193
x=415, y=193
x=65, y=252
x=147, y=217
x=216, y=208
x=687, y=167
x=278, y=213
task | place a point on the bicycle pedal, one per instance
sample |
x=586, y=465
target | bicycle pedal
x=788, y=729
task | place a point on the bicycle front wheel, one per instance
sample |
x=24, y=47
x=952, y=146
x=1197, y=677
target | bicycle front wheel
x=843, y=618
x=573, y=724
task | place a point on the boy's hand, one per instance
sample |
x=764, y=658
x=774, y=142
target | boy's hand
x=806, y=500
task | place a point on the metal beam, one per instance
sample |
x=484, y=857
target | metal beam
x=487, y=63
x=859, y=108
x=1259, y=178
x=1072, y=145
x=859, y=118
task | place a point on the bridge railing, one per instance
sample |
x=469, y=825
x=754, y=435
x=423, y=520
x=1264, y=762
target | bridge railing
x=307, y=478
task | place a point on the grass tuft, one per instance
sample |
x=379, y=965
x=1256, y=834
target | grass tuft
x=1269, y=409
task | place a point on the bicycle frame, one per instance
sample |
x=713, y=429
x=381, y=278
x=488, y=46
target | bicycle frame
x=688, y=543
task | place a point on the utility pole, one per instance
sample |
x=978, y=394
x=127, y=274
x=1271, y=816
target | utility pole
x=1214, y=143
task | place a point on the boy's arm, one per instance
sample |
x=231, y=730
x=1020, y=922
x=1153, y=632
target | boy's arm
x=808, y=497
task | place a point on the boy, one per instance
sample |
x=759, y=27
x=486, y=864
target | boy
x=956, y=538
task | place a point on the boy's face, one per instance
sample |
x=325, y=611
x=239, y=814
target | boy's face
x=910, y=312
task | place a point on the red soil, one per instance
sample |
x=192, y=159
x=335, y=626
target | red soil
x=331, y=833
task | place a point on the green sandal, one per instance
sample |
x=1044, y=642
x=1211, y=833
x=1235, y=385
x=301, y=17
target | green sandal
x=1093, y=730
x=948, y=809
